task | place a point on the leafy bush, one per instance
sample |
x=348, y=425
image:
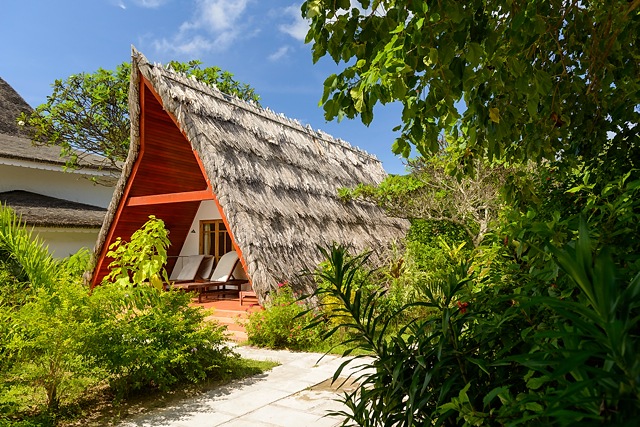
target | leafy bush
x=585, y=367
x=24, y=256
x=143, y=337
x=497, y=355
x=282, y=324
x=432, y=249
x=328, y=304
x=45, y=345
x=143, y=258
x=42, y=316
x=57, y=339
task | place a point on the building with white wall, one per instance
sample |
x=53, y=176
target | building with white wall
x=65, y=209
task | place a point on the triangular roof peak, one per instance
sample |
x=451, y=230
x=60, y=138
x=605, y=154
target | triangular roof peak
x=275, y=181
x=280, y=118
x=11, y=105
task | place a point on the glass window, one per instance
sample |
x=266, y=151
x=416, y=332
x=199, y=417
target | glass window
x=214, y=239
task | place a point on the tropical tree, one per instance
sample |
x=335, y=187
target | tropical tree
x=88, y=113
x=538, y=79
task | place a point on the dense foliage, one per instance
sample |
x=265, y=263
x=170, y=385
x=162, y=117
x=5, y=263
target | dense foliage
x=143, y=337
x=429, y=191
x=558, y=353
x=58, y=340
x=88, y=113
x=538, y=324
x=537, y=78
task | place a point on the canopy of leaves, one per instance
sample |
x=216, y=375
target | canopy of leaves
x=538, y=78
x=88, y=113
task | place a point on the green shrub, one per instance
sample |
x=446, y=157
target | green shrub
x=535, y=354
x=43, y=420
x=46, y=345
x=43, y=310
x=57, y=339
x=142, y=259
x=282, y=324
x=434, y=248
x=143, y=337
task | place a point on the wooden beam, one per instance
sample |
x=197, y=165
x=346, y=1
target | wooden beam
x=157, y=199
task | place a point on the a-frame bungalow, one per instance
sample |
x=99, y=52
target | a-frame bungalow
x=226, y=174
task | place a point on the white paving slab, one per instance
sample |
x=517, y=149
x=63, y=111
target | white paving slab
x=297, y=393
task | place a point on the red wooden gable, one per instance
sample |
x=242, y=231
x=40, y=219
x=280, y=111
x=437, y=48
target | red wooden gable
x=167, y=181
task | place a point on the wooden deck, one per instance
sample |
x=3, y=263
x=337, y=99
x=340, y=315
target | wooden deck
x=229, y=312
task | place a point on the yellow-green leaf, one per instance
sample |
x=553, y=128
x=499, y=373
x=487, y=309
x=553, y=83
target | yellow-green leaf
x=494, y=115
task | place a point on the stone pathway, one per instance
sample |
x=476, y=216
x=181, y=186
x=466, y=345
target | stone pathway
x=297, y=393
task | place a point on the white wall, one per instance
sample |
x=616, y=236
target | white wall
x=63, y=242
x=207, y=211
x=54, y=183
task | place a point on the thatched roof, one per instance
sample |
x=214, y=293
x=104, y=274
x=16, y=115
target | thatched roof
x=20, y=148
x=11, y=105
x=275, y=180
x=44, y=211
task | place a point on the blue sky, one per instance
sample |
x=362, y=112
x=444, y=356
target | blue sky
x=259, y=41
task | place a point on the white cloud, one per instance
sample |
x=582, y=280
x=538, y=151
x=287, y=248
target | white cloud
x=279, y=54
x=118, y=3
x=216, y=24
x=151, y=4
x=298, y=26
x=221, y=15
x=192, y=47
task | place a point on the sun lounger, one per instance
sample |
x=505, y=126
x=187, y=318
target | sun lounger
x=220, y=281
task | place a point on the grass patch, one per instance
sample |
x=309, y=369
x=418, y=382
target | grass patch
x=99, y=406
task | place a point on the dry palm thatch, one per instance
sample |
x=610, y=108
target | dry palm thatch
x=11, y=105
x=276, y=180
x=44, y=211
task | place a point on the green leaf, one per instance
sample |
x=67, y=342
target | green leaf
x=492, y=394
x=494, y=115
x=401, y=147
x=537, y=382
x=474, y=52
x=518, y=20
x=433, y=55
x=534, y=406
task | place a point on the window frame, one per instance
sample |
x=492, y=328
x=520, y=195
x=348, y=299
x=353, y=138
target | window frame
x=214, y=238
